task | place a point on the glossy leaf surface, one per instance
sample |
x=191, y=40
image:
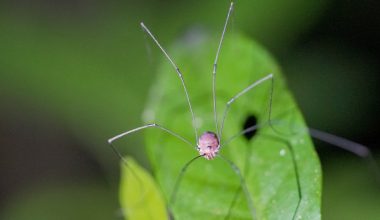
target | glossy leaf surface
x=269, y=162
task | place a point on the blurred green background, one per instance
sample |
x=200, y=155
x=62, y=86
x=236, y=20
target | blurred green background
x=74, y=73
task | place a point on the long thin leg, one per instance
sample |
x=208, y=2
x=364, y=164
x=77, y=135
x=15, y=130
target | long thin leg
x=125, y=162
x=179, y=178
x=295, y=166
x=216, y=63
x=154, y=125
x=273, y=121
x=243, y=185
x=236, y=196
x=238, y=191
x=296, y=171
x=343, y=143
x=291, y=150
x=244, y=91
x=245, y=131
x=179, y=75
x=111, y=140
x=353, y=147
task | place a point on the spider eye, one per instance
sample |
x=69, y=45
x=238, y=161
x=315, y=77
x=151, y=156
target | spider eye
x=209, y=147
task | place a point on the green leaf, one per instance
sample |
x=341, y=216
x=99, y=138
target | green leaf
x=208, y=188
x=139, y=195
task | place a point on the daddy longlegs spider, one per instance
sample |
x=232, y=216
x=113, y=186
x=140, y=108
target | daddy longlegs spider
x=209, y=143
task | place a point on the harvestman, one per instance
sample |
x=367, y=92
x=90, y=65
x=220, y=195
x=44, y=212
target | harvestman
x=209, y=143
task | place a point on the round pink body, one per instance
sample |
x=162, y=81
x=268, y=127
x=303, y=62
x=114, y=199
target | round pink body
x=208, y=145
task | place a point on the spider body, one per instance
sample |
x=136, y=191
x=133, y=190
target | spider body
x=208, y=145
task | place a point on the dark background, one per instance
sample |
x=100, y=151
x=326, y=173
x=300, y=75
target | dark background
x=74, y=73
